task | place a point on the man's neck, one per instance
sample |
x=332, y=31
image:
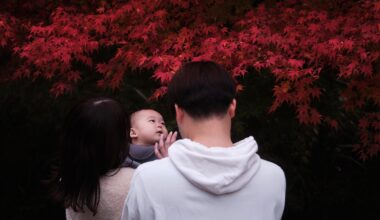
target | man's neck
x=212, y=132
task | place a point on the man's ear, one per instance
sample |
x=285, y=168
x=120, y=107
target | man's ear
x=232, y=108
x=132, y=133
x=179, y=113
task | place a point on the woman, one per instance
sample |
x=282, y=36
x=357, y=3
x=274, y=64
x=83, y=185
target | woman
x=92, y=184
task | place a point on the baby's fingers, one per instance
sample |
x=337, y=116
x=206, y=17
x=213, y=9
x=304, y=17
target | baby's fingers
x=157, y=151
x=173, y=137
x=168, y=139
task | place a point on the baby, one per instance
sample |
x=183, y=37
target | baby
x=148, y=132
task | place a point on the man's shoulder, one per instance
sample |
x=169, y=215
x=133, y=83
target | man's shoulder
x=154, y=167
x=157, y=177
x=272, y=169
x=270, y=165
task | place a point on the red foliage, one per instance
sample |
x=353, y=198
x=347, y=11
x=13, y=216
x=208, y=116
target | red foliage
x=6, y=30
x=296, y=41
x=369, y=130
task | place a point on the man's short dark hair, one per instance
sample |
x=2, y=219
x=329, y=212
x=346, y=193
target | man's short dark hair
x=202, y=89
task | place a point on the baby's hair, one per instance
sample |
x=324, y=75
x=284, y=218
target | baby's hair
x=132, y=116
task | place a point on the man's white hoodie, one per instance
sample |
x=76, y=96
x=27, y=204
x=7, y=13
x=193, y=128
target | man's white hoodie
x=199, y=182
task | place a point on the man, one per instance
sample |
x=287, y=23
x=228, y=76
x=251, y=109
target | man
x=205, y=175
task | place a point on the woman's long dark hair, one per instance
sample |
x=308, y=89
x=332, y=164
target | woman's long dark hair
x=94, y=142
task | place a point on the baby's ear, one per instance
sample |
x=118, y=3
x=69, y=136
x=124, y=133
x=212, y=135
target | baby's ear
x=132, y=133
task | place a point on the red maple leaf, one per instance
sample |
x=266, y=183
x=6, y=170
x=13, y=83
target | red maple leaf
x=303, y=114
x=296, y=63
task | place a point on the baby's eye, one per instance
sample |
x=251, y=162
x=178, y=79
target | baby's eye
x=151, y=120
x=163, y=123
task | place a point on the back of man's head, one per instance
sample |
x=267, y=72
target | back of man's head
x=202, y=89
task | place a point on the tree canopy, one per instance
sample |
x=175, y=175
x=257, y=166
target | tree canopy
x=305, y=46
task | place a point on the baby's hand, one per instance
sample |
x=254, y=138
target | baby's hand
x=161, y=147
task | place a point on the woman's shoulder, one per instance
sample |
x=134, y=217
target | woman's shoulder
x=126, y=171
x=120, y=178
x=119, y=174
x=114, y=188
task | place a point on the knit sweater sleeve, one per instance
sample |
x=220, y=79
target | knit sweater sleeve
x=138, y=205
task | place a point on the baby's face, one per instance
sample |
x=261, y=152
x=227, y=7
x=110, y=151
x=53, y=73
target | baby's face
x=147, y=126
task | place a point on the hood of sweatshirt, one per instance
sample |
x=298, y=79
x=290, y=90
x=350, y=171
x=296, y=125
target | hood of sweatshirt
x=217, y=170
